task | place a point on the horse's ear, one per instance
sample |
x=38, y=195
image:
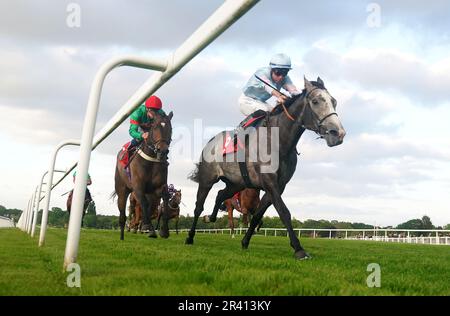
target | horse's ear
x=170, y=115
x=308, y=84
x=320, y=81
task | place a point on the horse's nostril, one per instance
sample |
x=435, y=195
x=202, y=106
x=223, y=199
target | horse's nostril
x=333, y=132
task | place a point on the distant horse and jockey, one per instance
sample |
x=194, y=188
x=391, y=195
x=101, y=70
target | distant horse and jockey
x=246, y=202
x=135, y=212
x=87, y=198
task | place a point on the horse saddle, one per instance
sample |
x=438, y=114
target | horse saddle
x=232, y=143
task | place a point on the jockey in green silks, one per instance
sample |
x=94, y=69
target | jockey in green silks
x=145, y=113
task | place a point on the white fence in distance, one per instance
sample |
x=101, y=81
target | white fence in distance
x=411, y=236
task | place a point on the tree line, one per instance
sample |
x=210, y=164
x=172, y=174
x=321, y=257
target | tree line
x=60, y=218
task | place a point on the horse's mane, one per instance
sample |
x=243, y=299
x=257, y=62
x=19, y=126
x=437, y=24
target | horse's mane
x=278, y=109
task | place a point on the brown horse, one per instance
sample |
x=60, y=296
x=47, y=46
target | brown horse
x=148, y=179
x=135, y=211
x=173, y=209
x=248, y=204
x=87, y=201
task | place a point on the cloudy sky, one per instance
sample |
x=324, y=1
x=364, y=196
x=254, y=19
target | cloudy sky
x=386, y=63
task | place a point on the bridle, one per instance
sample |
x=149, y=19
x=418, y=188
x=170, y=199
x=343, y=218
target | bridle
x=171, y=200
x=318, y=122
x=152, y=144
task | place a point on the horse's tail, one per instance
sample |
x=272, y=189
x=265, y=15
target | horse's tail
x=194, y=175
x=113, y=195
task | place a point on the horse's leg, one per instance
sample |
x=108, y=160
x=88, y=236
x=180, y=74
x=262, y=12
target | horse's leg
x=285, y=217
x=223, y=195
x=69, y=202
x=256, y=219
x=147, y=226
x=164, y=231
x=132, y=215
x=245, y=217
x=230, y=218
x=259, y=226
x=153, y=201
x=202, y=193
x=158, y=217
x=122, y=196
x=85, y=207
x=253, y=209
x=176, y=223
x=138, y=217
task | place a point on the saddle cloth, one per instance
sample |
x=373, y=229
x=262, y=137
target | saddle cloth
x=124, y=156
x=229, y=145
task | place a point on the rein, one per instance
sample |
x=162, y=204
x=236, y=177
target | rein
x=286, y=112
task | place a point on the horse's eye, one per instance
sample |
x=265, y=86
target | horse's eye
x=315, y=102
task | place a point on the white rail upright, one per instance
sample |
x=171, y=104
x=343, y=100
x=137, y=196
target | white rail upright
x=22, y=220
x=26, y=214
x=36, y=210
x=216, y=24
x=23, y=217
x=50, y=171
x=30, y=211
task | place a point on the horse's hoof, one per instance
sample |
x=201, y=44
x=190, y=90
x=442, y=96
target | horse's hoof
x=164, y=233
x=206, y=219
x=152, y=234
x=233, y=236
x=302, y=255
x=189, y=241
x=145, y=229
x=135, y=231
x=244, y=245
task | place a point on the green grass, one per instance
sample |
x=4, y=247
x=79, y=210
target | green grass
x=216, y=265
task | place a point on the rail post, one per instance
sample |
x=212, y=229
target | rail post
x=30, y=212
x=36, y=211
x=51, y=169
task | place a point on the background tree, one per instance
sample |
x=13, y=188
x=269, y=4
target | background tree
x=10, y=213
x=426, y=223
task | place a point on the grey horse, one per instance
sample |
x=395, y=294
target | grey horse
x=314, y=109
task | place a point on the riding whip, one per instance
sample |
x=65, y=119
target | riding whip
x=266, y=83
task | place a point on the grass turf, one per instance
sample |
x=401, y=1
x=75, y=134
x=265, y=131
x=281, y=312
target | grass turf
x=216, y=265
